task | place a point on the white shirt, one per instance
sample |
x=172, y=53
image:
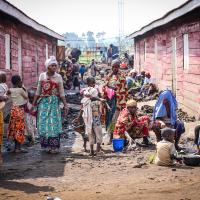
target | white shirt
x=164, y=151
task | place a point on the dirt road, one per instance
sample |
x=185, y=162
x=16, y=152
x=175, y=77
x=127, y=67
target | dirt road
x=72, y=175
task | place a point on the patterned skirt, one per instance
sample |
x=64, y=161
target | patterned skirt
x=49, y=122
x=1, y=128
x=16, y=127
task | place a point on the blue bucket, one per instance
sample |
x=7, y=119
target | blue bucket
x=118, y=144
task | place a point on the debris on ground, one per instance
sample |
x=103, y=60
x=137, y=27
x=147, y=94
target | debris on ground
x=183, y=116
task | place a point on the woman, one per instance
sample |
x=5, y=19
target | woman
x=165, y=115
x=49, y=92
x=128, y=122
x=116, y=93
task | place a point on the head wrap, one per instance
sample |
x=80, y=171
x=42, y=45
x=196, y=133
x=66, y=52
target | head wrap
x=160, y=110
x=133, y=71
x=102, y=72
x=131, y=103
x=115, y=62
x=51, y=61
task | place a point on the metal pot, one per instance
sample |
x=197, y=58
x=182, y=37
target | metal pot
x=191, y=160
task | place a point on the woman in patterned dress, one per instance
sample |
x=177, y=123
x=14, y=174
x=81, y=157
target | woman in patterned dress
x=130, y=123
x=49, y=92
x=116, y=93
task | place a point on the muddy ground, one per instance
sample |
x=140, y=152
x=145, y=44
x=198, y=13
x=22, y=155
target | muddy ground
x=72, y=174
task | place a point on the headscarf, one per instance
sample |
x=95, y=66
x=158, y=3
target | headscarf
x=160, y=110
x=115, y=62
x=51, y=61
x=131, y=103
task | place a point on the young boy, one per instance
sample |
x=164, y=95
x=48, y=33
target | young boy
x=91, y=109
x=166, y=151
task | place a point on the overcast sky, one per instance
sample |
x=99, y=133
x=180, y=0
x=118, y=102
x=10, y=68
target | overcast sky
x=95, y=15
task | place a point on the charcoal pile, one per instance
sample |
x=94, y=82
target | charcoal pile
x=72, y=114
x=73, y=97
x=146, y=110
x=183, y=116
x=144, y=98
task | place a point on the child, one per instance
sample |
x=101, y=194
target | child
x=90, y=112
x=30, y=118
x=166, y=151
x=3, y=98
x=197, y=137
x=16, y=128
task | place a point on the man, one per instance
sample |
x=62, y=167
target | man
x=128, y=122
x=148, y=86
x=131, y=79
x=109, y=55
x=75, y=74
x=93, y=68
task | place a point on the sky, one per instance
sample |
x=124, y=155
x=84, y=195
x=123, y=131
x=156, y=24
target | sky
x=80, y=16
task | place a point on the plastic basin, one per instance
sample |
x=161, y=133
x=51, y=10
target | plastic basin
x=118, y=144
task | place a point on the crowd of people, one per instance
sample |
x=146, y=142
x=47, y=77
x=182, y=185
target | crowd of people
x=110, y=104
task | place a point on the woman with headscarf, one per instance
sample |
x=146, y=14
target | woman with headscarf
x=128, y=124
x=164, y=115
x=116, y=93
x=49, y=92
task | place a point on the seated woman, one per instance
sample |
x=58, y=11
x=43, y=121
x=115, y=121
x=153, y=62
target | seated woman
x=128, y=122
x=164, y=115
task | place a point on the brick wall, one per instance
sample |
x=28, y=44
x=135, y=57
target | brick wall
x=33, y=49
x=160, y=64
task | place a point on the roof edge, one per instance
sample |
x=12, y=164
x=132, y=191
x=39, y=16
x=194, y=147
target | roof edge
x=183, y=9
x=9, y=9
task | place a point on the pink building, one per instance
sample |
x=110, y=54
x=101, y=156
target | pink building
x=24, y=44
x=169, y=48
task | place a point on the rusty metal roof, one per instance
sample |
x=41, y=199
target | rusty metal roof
x=13, y=11
x=185, y=8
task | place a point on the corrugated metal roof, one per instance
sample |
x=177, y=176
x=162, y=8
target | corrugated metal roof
x=185, y=8
x=13, y=11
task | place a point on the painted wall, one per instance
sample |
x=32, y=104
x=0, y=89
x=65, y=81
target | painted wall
x=27, y=50
x=164, y=59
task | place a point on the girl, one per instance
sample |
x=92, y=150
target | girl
x=16, y=128
x=90, y=111
x=3, y=98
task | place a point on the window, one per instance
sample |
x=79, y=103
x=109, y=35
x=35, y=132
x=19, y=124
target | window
x=185, y=52
x=46, y=51
x=7, y=51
